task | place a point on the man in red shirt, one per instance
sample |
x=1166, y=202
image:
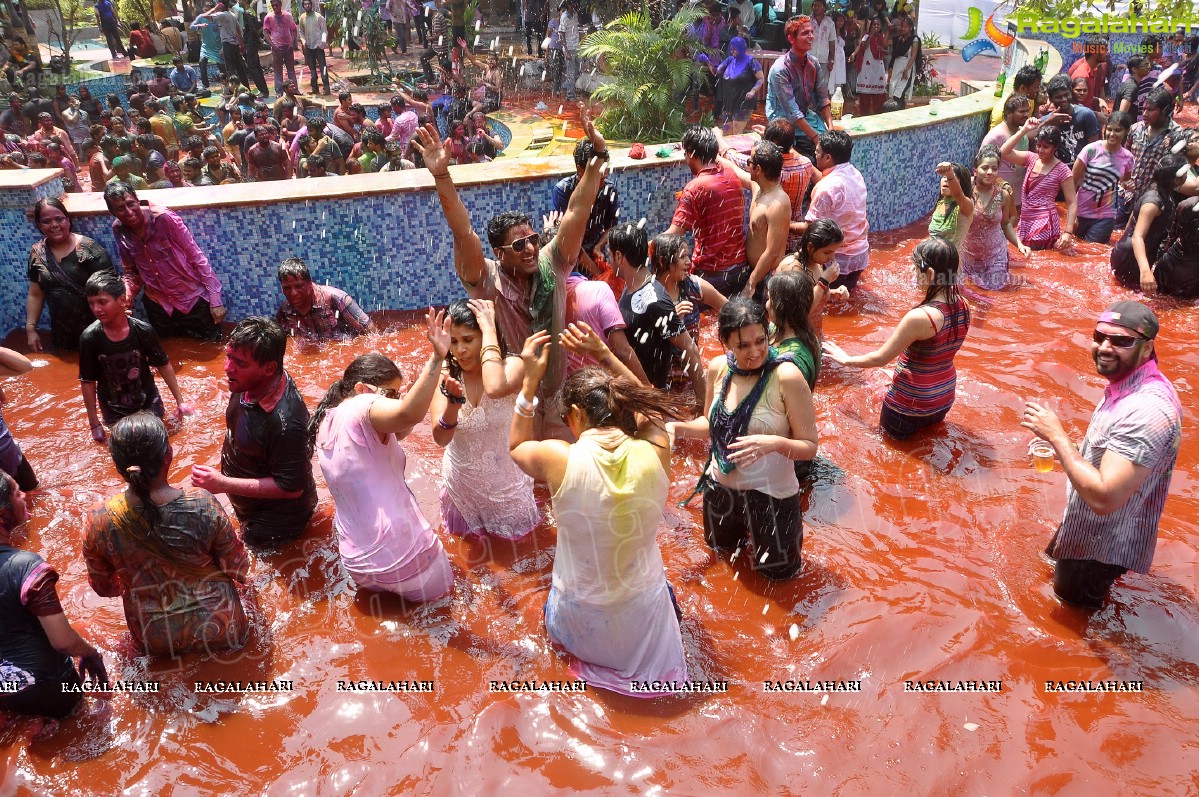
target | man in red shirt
x=1092, y=68
x=712, y=207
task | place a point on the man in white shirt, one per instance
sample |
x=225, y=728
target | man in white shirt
x=826, y=39
x=568, y=31
x=313, y=37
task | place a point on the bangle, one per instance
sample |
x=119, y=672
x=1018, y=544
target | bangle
x=526, y=408
x=439, y=176
x=604, y=155
x=490, y=347
x=94, y=425
x=524, y=414
x=451, y=397
x=824, y=282
x=31, y=326
x=495, y=359
x=445, y=424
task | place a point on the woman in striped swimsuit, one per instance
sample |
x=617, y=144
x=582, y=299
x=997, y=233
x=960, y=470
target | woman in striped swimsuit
x=929, y=336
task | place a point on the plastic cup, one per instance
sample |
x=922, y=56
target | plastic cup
x=934, y=107
x=1042, y=456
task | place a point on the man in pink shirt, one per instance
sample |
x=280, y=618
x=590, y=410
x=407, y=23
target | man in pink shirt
x=593, y=303
x=158, y=253
x=712, y=207
x=841, y=196
x=280, y=30
x=403, y=126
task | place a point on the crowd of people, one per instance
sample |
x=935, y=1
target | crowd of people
x=572, y=360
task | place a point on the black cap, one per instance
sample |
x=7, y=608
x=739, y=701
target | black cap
x=1132, y=315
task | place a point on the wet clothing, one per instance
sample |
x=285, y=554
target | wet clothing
x=757, y=499
x=984, y=251
x=948, y=222
x=650, y=323
x=166, y=261
x=62, y=282
x=609, y=604
x=603, y=212
x=26, y=656
x=176, y=575
x=484, y=490
x=802, y=356
x=1040, y=226
x=1097, y=194
x=925, y=380
x=333, y=316
x=270, y=443
x=1177, y=270
x=384, y=540
x=1124, y=261
x=712, y=206
x=1140, y=419
x=1083, y=129
x=121, y=369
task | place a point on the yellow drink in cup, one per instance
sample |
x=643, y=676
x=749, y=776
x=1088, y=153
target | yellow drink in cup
x=1042, y=456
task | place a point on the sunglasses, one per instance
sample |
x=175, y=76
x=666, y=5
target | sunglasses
x=387, y=392
x=1117, y=341
x=519, y=244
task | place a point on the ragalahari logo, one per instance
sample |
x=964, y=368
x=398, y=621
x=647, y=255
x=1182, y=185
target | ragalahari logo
x=995, y=36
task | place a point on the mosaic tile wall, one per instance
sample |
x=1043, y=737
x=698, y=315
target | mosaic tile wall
x=394, y=251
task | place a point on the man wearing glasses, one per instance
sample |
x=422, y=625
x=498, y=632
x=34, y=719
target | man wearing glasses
x=795, y=89
x=527, y=280
x=1119, y=480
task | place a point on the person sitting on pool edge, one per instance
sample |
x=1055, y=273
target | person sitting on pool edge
x=265, y=459
x=317, y=312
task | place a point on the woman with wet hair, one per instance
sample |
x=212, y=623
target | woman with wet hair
x=1135, y=255
x=926, y=340
x=760, y=420
x=817, y=255
x=385, y=542
x=1045, y=176
x=954, y=210
x=169, y=552
x=788, y=308
x=482, y=489
x=609, y=604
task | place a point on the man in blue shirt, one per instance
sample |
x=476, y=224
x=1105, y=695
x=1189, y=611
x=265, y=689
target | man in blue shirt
x=106, y=21
x=184, y=77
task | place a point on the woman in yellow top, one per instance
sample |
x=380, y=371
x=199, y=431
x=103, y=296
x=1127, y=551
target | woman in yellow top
x=609, y=604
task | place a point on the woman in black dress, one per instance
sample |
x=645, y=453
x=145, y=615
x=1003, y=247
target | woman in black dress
x=59, y=266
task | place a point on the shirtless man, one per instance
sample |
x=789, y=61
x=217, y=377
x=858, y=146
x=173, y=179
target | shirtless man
x=266, y=159
x=769, y=214
x=100, y=168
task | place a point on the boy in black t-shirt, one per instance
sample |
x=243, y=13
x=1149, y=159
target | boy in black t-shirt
x=115, y=355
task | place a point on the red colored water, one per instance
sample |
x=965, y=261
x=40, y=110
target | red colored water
x=922, y=560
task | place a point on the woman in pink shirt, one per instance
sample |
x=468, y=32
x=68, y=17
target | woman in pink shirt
x=385, y=542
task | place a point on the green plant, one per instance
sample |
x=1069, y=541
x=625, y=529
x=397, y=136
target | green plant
x=649, y=71
x=930, y=40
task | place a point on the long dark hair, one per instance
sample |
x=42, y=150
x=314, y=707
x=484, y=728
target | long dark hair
x=138, y=443
x=965, y=180
x=791, y=295
x=461, y=315
x=664, y=250
x=369, y=369
x=820, y=233
x=617, y=401
x=8, y=490
x=941, y=256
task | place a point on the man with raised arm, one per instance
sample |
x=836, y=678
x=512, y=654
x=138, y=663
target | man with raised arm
x=527, y=281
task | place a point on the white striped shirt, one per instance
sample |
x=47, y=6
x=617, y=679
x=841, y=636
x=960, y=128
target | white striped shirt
x=1139, y=419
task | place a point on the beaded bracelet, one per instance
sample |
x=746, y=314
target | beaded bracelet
x=444, y=425
x=451, y=397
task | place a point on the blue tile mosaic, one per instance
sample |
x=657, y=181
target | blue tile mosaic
x=394, y=251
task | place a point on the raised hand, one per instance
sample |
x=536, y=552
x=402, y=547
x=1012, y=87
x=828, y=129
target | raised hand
x=437, y=330
x=428, y=144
